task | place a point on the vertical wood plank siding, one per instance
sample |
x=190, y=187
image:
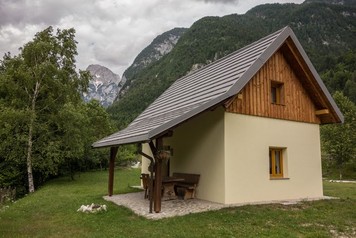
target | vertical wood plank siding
x=256, y=95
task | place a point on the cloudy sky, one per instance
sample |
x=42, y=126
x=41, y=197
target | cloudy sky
x=109, y=32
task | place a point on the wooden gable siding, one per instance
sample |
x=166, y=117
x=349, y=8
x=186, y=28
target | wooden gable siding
x=255, y=97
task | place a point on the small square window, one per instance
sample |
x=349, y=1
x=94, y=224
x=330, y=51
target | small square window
x=276, y=162
x=276, y=92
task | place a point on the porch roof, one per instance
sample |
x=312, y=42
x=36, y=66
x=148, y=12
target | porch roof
x=208, y=87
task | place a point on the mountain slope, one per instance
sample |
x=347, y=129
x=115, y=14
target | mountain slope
x=325, y=30
x=160, y=46
x=103, y=86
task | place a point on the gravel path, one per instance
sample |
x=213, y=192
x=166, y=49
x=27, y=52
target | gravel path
x=169, y=208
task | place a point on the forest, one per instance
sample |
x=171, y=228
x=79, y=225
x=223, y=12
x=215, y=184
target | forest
x=46, y=130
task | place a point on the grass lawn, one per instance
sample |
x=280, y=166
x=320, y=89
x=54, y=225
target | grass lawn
x=52, y=212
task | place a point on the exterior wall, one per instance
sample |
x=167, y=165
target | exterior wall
x=231, y=153
x=255, y=97
x=145, y=162
x=247, y=142
x=198, y=147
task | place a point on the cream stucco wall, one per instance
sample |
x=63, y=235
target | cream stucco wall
x=247, y=143
x=145, y=162
x=198, y=147
x=231, y=153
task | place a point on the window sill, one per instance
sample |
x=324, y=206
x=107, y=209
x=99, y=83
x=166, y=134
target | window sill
x=276, y=178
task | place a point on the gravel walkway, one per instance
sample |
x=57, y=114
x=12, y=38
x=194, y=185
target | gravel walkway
x=169, y=208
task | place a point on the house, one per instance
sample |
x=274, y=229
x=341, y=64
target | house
x=248, y=123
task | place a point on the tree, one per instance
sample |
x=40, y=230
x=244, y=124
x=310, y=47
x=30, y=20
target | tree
x=12, y=142
x=340, y=75
x=72, y=124
x=99, y=126
x=339, y=140
x=37, y=83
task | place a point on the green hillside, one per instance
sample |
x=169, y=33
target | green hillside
x=327, y=32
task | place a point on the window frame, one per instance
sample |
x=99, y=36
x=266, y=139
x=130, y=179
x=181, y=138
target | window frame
x=272, y=162
x=277, y=93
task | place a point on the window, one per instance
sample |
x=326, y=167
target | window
x=276, y=92
x=276, y=162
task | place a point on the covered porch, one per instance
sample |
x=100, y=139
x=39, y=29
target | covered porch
x=157, y=156
x=194, y=148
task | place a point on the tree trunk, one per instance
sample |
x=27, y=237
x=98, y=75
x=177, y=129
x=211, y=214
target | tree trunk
x=31, y=187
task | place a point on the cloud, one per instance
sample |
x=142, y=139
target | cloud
x=221, y=1
x=109, y=32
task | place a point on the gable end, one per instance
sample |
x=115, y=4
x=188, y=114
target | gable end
x=256, y=98
x=312, y=83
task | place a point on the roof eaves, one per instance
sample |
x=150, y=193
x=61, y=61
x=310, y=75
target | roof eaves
x=316, y=76
x=136, y=139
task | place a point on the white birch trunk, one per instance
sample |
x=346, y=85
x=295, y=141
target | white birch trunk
x=31, y=186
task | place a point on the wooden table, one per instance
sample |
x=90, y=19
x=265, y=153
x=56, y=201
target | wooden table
x=168, y=187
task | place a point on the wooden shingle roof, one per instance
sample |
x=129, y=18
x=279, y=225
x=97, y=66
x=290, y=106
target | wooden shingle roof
x=208, y=87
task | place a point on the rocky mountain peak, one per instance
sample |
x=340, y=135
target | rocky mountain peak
x=104, y=85
x=103, y=74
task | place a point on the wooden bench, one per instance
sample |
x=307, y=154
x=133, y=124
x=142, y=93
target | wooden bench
x=186, y=188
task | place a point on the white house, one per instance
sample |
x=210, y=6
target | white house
x=247, y=123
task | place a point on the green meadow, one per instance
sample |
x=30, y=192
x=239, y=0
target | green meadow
x=52, y=212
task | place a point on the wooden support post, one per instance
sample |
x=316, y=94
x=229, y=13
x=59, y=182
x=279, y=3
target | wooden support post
x=157, y=193
x=113, y=153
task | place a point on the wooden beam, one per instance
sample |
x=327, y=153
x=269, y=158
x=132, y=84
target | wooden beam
x=152, y=194
x=230, y=101
x=168, y=134
x=322, y=112
x=153, y=148
x=310, y=78
x=113, y=153
x=158, y=176
x=157, y=193
x=158, y=186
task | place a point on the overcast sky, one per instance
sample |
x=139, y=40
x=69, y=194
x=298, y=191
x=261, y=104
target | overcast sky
x=109, y=32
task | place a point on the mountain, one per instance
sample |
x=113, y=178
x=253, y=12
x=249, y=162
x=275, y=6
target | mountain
x=160, y=46
x=103, y=86
x=326, y=30
x=335, y=2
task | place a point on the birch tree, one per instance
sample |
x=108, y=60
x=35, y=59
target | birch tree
x=38, y=82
